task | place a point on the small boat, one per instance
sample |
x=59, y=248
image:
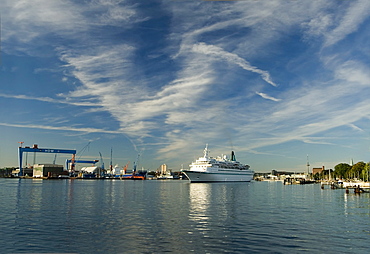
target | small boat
x=135, y=176
x=220, y=169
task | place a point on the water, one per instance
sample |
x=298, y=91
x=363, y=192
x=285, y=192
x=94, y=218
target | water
x=104, y=216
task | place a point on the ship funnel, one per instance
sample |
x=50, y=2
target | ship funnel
x=233, y=156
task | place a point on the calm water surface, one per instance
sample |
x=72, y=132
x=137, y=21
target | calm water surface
x=105, y=216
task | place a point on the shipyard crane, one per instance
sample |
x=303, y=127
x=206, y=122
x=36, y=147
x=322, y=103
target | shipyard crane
x=36, y=149
x=135, y=164
x=102, y=162
x=111, y=163
x=125, y=167
x=55, y=158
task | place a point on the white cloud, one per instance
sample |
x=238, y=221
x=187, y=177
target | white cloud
x=186, y=101
x=267, y=97
x=186, y=107
x=353, y=72
x=62, y=128
x=48, y=99
x=355, y=15
x=313, y=112
x=25, y=21
x=231, y=58
x=355, y=127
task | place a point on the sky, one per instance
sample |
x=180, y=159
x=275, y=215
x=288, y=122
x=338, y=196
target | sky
x=280, y=82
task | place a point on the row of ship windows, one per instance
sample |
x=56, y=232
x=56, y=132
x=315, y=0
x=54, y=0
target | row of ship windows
x=223, y=166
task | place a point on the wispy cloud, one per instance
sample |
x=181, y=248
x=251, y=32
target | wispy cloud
x=355, y=127
x=48, y=99
x=353, y=17
x=190, y=92
x=267, y=97
x=313, y=114
x=231, y=58
x=23, y=22
x=141, y=112
x=61, y=128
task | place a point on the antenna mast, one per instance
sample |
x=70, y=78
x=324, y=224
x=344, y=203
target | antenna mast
x=308, y=166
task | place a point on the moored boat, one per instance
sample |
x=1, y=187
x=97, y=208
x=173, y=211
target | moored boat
x=135, y=175
x=219, y=169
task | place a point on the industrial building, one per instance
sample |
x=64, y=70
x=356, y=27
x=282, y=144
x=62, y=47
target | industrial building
x=47, y=170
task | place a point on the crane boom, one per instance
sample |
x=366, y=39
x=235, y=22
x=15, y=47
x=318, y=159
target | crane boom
x=102, y=162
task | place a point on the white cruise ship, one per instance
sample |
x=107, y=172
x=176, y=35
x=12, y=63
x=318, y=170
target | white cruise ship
x=220, y=169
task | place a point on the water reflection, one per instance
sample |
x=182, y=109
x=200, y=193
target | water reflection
x=199, y=194
x=358, y=204
x=175, y=216
x=214, y=208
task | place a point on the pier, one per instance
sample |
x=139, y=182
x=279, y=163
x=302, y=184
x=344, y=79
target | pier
x=356, y=186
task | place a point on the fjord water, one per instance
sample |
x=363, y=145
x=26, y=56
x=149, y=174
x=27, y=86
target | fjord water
x=112, y=216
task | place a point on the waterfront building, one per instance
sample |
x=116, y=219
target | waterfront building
x=318, y=170
x=44, y=170
x=163, y=169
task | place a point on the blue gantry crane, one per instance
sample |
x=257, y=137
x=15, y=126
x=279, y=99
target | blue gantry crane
x=36, y=149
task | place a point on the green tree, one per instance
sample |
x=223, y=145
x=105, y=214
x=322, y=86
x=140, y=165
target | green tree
x=341, y=170
x=317, y=176
x=356, y=170
x=365, y=172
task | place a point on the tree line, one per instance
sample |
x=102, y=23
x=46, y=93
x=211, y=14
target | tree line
x=6, y=172
x=359, y=171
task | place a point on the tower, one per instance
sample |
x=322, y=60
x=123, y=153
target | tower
x=308, y=166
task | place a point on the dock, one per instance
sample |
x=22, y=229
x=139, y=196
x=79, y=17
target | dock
x=356, y=186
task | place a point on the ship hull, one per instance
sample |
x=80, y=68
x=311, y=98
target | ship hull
x=204, y=176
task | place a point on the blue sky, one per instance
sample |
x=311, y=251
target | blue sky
x=273, y=80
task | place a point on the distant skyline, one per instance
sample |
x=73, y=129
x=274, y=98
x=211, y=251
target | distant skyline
x=274, y=81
